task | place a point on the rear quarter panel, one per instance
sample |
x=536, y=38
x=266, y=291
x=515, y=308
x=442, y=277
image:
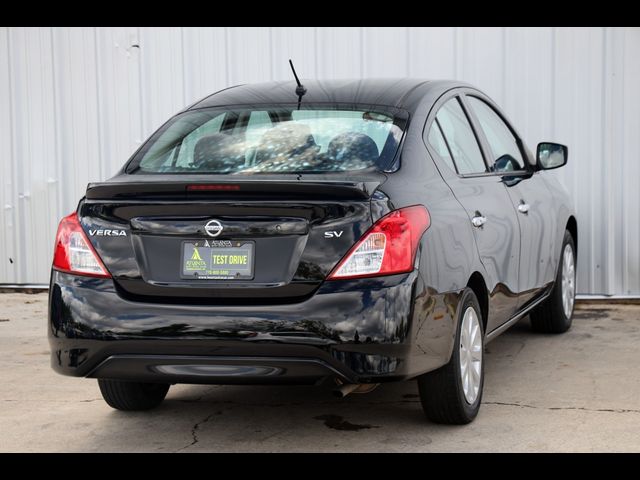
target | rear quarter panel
x=448, y=255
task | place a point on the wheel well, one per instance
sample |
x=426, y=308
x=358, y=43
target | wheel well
x=572, y=226
x=476, y=283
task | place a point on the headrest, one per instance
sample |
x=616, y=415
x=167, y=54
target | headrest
x=219, y=152
x=353, y=146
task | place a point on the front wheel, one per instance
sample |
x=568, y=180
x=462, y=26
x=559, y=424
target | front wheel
x=129, y=396
x=452, y=394
x=554, y=314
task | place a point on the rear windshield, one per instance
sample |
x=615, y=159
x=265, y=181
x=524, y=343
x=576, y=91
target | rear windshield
x=273, y=140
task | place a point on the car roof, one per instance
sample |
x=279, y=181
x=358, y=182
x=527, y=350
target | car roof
x=402, y=93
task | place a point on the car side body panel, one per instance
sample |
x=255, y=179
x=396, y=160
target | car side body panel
x=537, y=265
x=499, y=240
x=559, y=217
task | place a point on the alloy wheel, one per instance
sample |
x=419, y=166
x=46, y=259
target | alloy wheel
x=568, y=280
x=470, y=355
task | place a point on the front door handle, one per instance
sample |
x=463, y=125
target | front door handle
x=523, y=207
x=478, y=220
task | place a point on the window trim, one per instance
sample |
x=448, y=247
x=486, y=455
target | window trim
x=519, y=144
x=460, y=93
x=453, y=94
x=436, y=123
x=479, y=137
x=457, y=98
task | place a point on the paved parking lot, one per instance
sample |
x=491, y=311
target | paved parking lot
x=574, y=392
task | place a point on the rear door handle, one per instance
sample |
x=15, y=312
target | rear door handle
x=523, y=207
x=478, y=220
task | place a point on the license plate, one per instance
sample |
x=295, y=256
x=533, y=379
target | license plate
x=217, y=260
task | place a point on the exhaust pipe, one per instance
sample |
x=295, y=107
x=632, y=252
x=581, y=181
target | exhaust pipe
x=345, y=389
x=348, y=388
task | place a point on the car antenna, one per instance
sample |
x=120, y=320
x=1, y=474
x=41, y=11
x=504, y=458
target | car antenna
x=300, y=90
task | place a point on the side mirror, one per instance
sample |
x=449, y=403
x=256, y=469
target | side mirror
x=551, y=155
x=506, y=163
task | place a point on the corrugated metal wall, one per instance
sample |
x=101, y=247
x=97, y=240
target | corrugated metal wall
x=76, y=102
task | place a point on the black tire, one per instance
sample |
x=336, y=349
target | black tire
x=549, y=317
x=441, y=392
x=131, y=396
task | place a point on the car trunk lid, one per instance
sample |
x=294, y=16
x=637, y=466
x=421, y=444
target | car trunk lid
x=263, y=240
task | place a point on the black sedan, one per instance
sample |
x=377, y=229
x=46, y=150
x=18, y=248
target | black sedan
x=348, y=233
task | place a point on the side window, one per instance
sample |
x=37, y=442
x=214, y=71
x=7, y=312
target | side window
x=437, y=141
x=504, y=148
x=460, y=138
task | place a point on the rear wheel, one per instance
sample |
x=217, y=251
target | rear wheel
x=452, y=394
x=554, y=314
x=123, y=395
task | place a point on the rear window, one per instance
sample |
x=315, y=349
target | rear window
x=273, y=140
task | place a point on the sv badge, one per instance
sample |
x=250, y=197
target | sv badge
x=333, y=234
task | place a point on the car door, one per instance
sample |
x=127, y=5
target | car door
x=528, y=194
x=483, y=195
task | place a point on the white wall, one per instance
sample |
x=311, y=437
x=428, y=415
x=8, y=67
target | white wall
x=76, y=102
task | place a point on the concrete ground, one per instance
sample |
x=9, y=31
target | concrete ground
x=574, y=392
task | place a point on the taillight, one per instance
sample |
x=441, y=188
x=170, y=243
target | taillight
x=74, y=253
x=388, y=247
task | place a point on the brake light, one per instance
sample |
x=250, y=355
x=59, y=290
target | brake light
x=73, y=251
x=207, y=187
x=388, y=247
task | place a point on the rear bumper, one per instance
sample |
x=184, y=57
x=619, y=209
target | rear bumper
x=363, y=331
x=217, y=369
